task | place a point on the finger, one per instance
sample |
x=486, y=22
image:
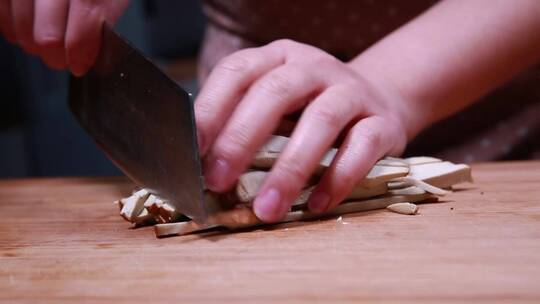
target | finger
x=114, y=10
x=225, y=86
x=6, y=21
x=83, y=35
x=318, y=127
x=23, y=22
x=256, y=116
x=368, y=141
x=49, y=31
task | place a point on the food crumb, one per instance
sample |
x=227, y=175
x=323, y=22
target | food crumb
x=340, y=219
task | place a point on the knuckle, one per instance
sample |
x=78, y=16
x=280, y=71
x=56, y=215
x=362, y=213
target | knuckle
x=233, y=144
x=285, y=43
x=274, y=84
x=346, y=179
x=322, y=59
x=324, y=115
x=369, y=136
x=233, y=64
x=396, y=135
x=292, y=171
x=348, y=102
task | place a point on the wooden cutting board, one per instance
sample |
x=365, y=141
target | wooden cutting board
x=61, y=240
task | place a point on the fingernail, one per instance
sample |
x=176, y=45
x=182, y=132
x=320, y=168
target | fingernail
x=216, y=175
x=319, y=201
x=268, y=206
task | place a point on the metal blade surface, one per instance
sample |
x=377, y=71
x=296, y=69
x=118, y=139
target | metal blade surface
x=144, y=122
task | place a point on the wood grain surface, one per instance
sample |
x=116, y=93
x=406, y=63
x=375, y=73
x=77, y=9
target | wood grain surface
x=61, y=240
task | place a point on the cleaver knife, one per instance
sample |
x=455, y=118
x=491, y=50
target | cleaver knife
x=145, y=124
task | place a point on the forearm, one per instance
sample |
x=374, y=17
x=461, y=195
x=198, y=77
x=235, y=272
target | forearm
x=453, y=54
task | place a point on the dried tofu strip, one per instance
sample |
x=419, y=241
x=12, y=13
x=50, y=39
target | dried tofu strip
x=384, y=167
x=167, y=213
x=162, y=211
x=249, y=185
x=144, y=218
x=179, y=228
x=152, y=203
x=406, y=191
x=380, y=173
x=357, y=193
x=438, y=174
x=133, y=205
x=233, y=219
x=392, y=183
x=244, y=217
x=275, y=143
x=327, y=159
x=266, y=159
x=453, y=174
x=393, y=161
x=422, y=185
x=144, y=208
x=361, y=192
x=383, y=171
x=303, y=197
x=420, y=160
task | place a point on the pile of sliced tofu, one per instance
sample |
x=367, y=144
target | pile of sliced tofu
x=393, y=183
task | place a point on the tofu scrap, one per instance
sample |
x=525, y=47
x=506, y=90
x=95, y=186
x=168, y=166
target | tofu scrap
x=132, y=206
x=403, y=208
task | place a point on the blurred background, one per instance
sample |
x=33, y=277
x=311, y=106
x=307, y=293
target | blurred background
x=38, y=134
x=40, y=137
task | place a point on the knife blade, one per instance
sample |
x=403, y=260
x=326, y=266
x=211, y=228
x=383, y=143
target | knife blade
x=144, y=122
